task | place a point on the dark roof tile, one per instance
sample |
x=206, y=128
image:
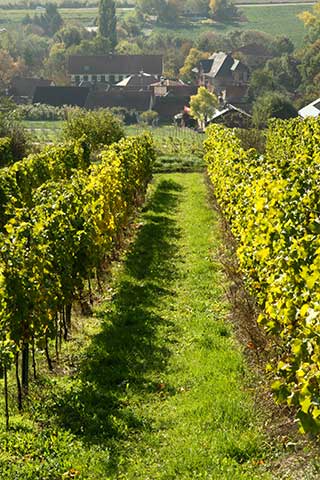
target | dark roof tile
x=59, y=96
x=25, y=86
x=113, y=64
x=132, y=100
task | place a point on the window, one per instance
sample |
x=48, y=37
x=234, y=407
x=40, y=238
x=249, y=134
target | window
x=94, y=78
x=86, y=68
x=120, y=78
x=102, y=78
x=111, y=78
x=77, y=79
x=85, y=78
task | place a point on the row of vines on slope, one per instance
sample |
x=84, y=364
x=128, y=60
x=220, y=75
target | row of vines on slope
x=273, y=206
x=61, y=218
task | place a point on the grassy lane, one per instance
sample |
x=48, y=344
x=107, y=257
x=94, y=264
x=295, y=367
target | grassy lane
x=162, y=386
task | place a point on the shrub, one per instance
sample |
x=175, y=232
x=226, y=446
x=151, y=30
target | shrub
x=272, y=105
x=11, y=127
x=6, y=156
x=128, y=117
x=149, y=117
x=252, y=138
x=101, y=127
x=42, y=112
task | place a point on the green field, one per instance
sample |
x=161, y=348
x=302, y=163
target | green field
x=273, y=19
x=84, y=16
x=131, y=3
x=85, y=3
x=277, y=20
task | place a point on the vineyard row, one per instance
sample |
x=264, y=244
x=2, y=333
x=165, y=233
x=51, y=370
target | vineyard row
x=272, y=204
x=60, y=219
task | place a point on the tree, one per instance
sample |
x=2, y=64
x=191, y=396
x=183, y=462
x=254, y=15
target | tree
x=131, y=24
x=272, y=105
x=11, y=127
x=97, y=46
x=167, y=11
x=99, y=126
x=9, y=68
x=285, y=72
x=50, y=21
x=128, y=48
x=310, y=63
x=56, y=63
x=70, y=35
x=261, y=82
x=282, y=45
x=311, y=20
x=222, y=10
x=197, y=7
x=214, y=42
x=203, y=105
x=149, y=117
x=191, y=61
x=33, y=49
x=108, y=21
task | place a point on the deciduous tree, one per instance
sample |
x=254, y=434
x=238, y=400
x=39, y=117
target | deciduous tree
x=311, y=20
x=272, y=105
x=203, y=105
x=9, y=68
x=192, y=60
x=223, y=10
x=108, y=21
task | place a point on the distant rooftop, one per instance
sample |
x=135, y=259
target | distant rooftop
x=138, y=80
x=59, y=96
x=311, y=110
x=115, y=64
x=219, y=64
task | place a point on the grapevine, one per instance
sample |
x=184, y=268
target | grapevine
x=273, y=206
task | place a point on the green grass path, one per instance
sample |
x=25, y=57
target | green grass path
x=169, y=362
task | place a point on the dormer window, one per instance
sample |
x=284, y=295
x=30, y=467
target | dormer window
x=86, y=68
